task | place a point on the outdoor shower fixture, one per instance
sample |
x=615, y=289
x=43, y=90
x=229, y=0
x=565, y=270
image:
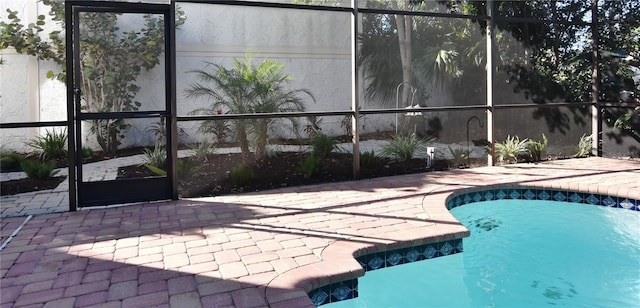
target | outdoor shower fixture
x=468, y=146
x=413, y=95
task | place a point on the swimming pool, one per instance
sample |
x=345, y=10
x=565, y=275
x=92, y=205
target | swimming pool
x=527, y=253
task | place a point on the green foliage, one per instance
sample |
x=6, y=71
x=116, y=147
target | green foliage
x=585, y=146
x=203, y=150
x=536, y=148
x=10, y=159
x=310, y=166
x=241, y=176
x=37, y=169
x=53, y=145
x=186, y=168
x=156, y=157
x=510, y=149
x=460, y=156
x=87, y=153
x=272, y=151
x=219, y=128
x=623, y=120
x=629, y=122
x=367, y=158
x=30, y=39
x=403, y=147
x=322, y=145
x=247, y=88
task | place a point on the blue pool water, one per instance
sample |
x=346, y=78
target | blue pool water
x=521, y=254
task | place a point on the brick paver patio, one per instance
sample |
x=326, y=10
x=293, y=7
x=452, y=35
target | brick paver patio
x=264, y=249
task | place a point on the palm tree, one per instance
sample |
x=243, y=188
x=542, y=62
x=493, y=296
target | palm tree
x=247, y=88
x=407, y=50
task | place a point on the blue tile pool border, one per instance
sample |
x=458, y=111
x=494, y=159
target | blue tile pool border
x=348, y=289
x=530, y=193
x=345, y=290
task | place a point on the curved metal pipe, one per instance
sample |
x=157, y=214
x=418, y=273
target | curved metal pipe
x=468, y=146
x=413, y=94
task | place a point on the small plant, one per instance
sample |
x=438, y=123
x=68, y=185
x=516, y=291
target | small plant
x=219, y=128
x=10, y=159
x=367, y=159
x=584, y=146
x=510, y=149
x=402, y=148
x=155, y=157
x=37, y=169
x=241, y=176
x=53, y=145
x=460, y=156
x=87, y=153
x=186, y=169
x=310, y=166
x=272, y=151
x=203, y=150
x=322, y=145
x=536, y=148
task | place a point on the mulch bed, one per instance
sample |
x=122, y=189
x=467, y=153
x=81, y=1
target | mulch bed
x=28, y=185
x=213, y=176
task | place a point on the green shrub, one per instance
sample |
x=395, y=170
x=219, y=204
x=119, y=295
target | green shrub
x=402, y=148
x=10, y=159
x=155, y=157
x=510, y=149
x=367, y=159
x=241, y=176
x=37, y=169
x=203, y=150
x=322, y=145
x=53, y=145
x=310, y=166
x=272, y=151
x=186, y=169
x=87, y=153
x=584, y=146
x=460, y=156
x=536, y=148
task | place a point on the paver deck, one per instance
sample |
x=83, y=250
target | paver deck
x=265, y=249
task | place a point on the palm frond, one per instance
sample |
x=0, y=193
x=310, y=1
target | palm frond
x=440, y=64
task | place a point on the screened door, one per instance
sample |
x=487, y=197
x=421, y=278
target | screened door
x=121, y=95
